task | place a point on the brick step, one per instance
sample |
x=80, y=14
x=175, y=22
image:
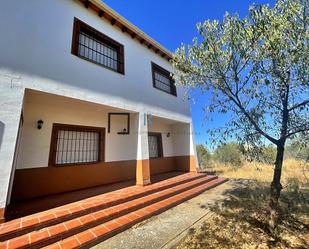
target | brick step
x=38, y=239
x=67, y=212
x=95, y=235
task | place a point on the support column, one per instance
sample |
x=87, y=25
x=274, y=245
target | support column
x=193, y=158
x=142, y=163
x=11, y=101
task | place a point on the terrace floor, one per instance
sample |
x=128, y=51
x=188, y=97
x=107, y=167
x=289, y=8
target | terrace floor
x=94, y=215
x=28, y=207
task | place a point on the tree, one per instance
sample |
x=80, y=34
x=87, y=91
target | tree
x=256, y=71
x=203, y=154
x=228, y=153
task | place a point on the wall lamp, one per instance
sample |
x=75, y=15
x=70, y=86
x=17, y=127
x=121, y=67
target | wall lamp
x=40, y=124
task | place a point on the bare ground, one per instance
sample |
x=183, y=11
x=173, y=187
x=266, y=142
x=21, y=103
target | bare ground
x=240, y=221
x=167, y=229
x=233, y=215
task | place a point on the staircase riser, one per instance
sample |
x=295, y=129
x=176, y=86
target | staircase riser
x=153, y=191
x=111, y=217
x=90, y=210
x=125, y=227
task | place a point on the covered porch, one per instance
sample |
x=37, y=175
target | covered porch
x=71, y=149
x=170, y=146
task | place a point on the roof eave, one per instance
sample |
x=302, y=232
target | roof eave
x=116, y=19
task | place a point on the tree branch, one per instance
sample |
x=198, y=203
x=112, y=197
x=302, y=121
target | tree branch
x=297, y=131
x=252, y=121
x=299, y=105
x=234, y=98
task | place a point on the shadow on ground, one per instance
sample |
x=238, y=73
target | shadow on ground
x=241, y=219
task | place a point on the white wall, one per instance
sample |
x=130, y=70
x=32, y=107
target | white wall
x=35, y=143
x=37, y=50
x=35, y=53
x=158, y=125
x=183, y=139
x=10, y=111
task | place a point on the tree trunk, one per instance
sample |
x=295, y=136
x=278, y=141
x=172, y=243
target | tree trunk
x=275, y=189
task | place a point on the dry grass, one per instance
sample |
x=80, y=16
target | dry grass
x=241, y=220
x=292, y=170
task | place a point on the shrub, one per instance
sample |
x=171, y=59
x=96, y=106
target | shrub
x=299, y=149
x=268, y=154
x=203, y=155
x=262, y=154
x=228, y=153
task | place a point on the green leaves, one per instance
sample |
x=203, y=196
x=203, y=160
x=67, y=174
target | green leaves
x=256, y=63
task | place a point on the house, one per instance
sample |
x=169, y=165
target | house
x=92, y=125
x=86, y=99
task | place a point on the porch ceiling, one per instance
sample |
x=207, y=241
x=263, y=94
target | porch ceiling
x=50, y=99
x=166, y=121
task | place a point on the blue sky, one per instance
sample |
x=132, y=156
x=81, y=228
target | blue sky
x=172, y=22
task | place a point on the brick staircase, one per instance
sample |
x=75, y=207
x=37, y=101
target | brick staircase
x=87, y=222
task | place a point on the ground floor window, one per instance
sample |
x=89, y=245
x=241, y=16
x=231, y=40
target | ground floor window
x=71, y=144
x=155, y=145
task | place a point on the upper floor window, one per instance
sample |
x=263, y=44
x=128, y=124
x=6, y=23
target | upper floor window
x=162, y=79
x=96, y=47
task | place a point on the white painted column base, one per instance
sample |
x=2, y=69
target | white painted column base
x=142, y=163
x=11, y=101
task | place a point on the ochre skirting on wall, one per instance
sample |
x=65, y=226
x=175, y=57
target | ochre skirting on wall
x=2, y=219
x=186, y=163
x=175, y=163
x=142, y=172
x=162, y=165
x=38, y=182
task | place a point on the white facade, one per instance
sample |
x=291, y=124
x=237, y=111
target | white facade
x=35, y=53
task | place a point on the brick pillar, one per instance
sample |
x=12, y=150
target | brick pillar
x=11, y=100
x=142, y=163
